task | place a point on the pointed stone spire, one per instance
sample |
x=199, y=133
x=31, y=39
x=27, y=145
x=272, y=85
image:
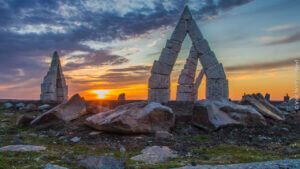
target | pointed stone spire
x=54, y=86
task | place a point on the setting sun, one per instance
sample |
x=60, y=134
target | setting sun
x=101, y=93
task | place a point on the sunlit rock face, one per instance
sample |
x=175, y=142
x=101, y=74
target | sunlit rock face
x=134, y=118
x=54, y=86
x=159, y=81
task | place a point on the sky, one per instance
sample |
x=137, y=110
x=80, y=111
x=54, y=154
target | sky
x=107, y=47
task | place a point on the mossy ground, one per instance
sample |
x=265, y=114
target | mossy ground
x=68, y=154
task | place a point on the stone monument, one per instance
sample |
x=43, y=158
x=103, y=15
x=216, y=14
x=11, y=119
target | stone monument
x=54, y=86
x=159, y=81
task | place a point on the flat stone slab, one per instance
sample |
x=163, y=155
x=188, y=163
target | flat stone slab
x=278, y=164
x=22, y=148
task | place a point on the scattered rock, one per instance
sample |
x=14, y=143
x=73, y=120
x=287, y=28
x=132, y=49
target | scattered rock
x=24, y=120
x=133, y=118
x=8, y=105
x=163, y=135
x=93, y=133
x=101, y=162
x=154, y=154
x=44, y=107
x=22, y=148
x=20, y=105
x=50, y=166
x=289, y=105
x=263, y=106
x=31, y=107
x=66, y=111
x=18, y=140
x=75, y=139
x=121, y=97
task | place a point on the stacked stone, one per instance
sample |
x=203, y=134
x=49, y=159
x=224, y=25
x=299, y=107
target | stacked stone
x=197, y=83
x=186, y=87
x=216, y=82
x=54, y=86
x=159, y=81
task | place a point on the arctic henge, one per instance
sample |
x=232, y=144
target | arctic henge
x=159, y=81
x=54, y=86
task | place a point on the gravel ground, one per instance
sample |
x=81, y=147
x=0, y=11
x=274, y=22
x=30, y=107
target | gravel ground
x=278, y=164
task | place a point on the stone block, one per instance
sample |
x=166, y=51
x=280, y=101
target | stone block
x=194, y=31
x=207, y=60
x=185, y=80
x=188, y=72
x=48, y=96
x=159, y=95
x=185, y=88
x=215, y=71
x=161, y=68
x=158, y=81
x=185, y=97
x=47, y=88
x=216, y=88
x=173, y=45
x=168, y=56
x=180, y=31
x=201, y=46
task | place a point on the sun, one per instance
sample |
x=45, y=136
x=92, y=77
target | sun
x=101, y=93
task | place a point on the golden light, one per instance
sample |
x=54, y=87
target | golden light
x=101, y=93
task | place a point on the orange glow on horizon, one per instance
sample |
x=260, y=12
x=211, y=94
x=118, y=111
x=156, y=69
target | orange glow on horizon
x=101, y=93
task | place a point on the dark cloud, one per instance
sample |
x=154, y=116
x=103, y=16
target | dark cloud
x=263, y=66
x=288, y=39
x=97, y=58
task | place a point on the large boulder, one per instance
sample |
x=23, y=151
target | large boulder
x=214, y=114
x=243, y=113
x=67, y=111
x=263, y=106
x=208, y=116
x=133, y=118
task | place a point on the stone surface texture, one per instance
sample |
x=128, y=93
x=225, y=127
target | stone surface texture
x=217, y=86
x=50, y=166
x=134, y=118
x=66, y=111
x=22, y=148
x=215, y=114
x=54, y=86
x=154, y=154
x=263, y=106
x=278, y=164
x=101, y=162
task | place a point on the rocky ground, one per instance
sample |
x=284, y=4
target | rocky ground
x=68, y=144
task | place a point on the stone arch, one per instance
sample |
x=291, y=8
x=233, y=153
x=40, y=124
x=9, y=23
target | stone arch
x=159, y=81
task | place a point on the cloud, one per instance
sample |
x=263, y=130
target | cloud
x=284, y=40
x=280, y=27
x=31, y=30
x=263, y=66
x=97, y=58
x=136, y=68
